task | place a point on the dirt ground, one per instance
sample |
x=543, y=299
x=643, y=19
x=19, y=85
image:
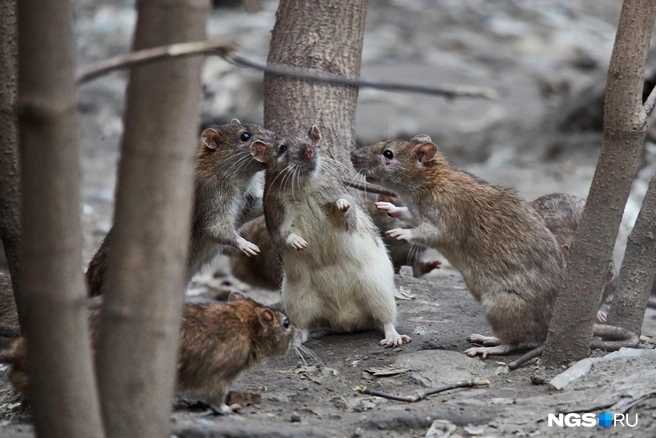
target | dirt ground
x=317, y=399
x=539, y=54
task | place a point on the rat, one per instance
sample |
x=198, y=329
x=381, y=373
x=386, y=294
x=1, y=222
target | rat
x=263, y=271
x=218, y=341
x=227, y=194
x=420, y=258
x=509, y=259
x=336, y=268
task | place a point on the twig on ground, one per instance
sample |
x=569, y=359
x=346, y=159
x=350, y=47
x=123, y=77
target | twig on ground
x=226, y=50
x=423, y=394
x=613, y=338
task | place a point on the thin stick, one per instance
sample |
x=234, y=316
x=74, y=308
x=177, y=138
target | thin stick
x=649, y=103
x=423, y=394
x=525, y=358
x=612, y=339
x=226, y=50
x=92, y=71
x=448, y=91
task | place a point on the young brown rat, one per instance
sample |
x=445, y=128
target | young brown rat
x=336, y=269
x=227, y=195
x=218, y=341
x=510, y=261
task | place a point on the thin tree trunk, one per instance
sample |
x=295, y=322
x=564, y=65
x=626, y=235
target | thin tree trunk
x=147, y=262
x=62, y=385
x=9, y=168
x=325, y=36
x=570, y=330
x=638, y=268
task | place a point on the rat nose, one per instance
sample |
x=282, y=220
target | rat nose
x=307, y=152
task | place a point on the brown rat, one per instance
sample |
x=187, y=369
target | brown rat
x=227, y=195
x=562, y=214
x=218, y=341
x=510, y=261
x=420, y=258
x=263, y=271
x=336, y=269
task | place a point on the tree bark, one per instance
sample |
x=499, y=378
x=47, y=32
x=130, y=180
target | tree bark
x=62, y=386
x=9, y=167
x=638, y=269
x=624, y=130
x=317, y=35
x=147, y=263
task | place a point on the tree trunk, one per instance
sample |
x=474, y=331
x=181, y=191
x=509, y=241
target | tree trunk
x=570, y=330
x=638, y=269
x=9, y=173
x=62, y=386
x=316, y=35
x=147, y=263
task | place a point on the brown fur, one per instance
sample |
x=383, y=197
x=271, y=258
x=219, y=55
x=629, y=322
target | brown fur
x=226, y=196
x=509, y=259
x=263, y=271
x=562, y=213
x=218, y=341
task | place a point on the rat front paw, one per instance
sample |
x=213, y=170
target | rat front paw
x=342, y=205
x=389, y=208
x=248, y=248
x=395, y=340
x=297, y=242
x=400, y=233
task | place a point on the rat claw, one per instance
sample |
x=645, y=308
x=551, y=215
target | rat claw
x=248, y=248
x=342, y=205
x=400, y=233
x=296, y=242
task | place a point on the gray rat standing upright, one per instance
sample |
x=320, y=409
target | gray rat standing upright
x=336, y=269
x=228, y=190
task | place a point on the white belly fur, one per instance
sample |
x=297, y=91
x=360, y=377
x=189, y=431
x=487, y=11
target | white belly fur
x=343, y=279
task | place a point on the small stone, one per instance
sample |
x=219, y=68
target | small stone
x=295, y=418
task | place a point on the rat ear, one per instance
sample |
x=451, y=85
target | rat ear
x=235, y=122
x=565, y=249
x=258, y=150
x=236, y=296
x=423, y=138
x=266, y=316
x=210, y=138
x=426, y=152
x=314, y=133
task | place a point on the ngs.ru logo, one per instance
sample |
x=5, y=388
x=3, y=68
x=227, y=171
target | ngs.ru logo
x=602, y=419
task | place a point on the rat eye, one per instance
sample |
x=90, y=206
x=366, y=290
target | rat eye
x=388, y=154
x=283, y=148
x=245, y=136
x=285, y=322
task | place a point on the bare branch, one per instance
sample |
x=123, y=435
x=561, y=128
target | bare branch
x=368, y=187
x=649, y=102
x=613, y=338
x=225, y=50
x=449, y=91
x=423, y=394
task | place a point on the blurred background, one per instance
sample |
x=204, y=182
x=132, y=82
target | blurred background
x=547, y=59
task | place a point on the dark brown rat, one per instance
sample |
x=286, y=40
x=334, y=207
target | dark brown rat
x=227, y=195
x=336, y=269
x=510, y=261
x=218, y=341
x=263, y=271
